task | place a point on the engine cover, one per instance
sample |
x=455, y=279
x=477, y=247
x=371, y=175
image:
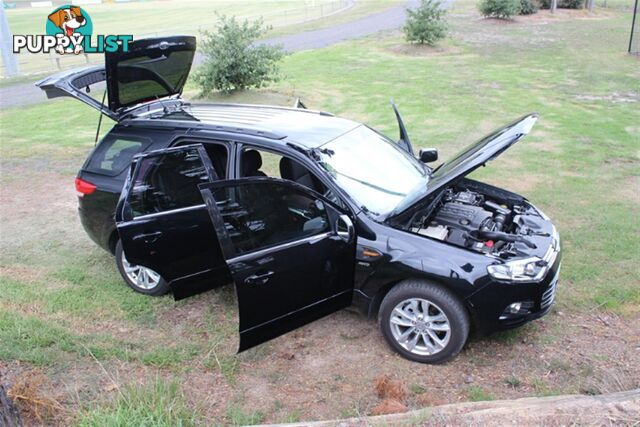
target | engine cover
x=461, y=216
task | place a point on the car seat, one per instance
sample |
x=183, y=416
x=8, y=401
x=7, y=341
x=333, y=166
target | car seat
x=251, y=163
x=294, y=171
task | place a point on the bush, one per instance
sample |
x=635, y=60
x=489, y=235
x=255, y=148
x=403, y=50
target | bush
x=233, y=60
x=563, y=4
x=501, y=9
x=527, y=7
x=426, y=23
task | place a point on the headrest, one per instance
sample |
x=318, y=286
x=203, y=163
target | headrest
x=251, y=161
x=292, y=170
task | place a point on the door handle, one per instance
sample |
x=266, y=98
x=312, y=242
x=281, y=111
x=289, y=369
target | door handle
x=258, y=279
x=149, y=237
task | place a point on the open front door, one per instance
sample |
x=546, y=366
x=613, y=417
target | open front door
x=164, y=224
x=290, y=252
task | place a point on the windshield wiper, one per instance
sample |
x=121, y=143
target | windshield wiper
x=368, y=184
x=438, y=167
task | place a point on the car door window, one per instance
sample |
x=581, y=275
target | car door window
x=259, y=215
x=168, y=182
x=262, y=163
x=217, y=151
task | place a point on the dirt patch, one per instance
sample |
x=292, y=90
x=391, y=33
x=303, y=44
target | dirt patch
x=23, y=273
x=628, y=190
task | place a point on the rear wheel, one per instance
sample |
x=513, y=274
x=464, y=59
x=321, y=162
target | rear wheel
x=423, y=322
x=140, y=279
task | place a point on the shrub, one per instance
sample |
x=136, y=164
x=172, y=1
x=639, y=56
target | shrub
x=426, y=23
x=563, y=4
x=501, y=9
x=527, y=7
x=233, y=60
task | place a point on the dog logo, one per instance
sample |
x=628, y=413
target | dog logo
x=70, y=25
x=69, y=30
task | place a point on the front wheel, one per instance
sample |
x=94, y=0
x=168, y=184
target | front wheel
x=140, y=279
x=423, y=322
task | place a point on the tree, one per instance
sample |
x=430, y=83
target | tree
x=426, y=23
x=590, y=4
x=554, y=6
x=234, y=59
x=501, y=9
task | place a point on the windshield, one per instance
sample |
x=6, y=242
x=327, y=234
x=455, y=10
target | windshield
x=372, y=169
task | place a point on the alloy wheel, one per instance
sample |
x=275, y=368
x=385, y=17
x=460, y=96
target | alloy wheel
x=420, y=326
x=142, y=277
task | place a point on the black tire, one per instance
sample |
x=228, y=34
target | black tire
x=444, y=300
x=161, y=288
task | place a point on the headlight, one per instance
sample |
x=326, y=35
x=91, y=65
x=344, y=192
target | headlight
x=521, y=270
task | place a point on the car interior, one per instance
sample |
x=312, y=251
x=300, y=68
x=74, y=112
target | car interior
x=167, y=182
x=218, y=153
x=277, y=166
x=263, y=214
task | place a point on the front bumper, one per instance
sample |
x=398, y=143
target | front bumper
x=490, y=304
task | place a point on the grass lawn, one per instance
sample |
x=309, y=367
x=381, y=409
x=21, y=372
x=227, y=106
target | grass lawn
x=106, y=355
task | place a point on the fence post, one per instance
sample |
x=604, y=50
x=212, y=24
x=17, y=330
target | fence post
x=9, y=58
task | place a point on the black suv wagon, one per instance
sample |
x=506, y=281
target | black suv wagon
x=305, y=212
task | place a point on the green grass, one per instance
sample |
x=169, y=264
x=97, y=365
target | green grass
x=159, y=404
x=238, y=416
x=512, y=381
x=416, y=388
x=478, y=394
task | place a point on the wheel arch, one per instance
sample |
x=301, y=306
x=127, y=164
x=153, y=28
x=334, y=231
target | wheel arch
x=376, y=301
x=113, y=241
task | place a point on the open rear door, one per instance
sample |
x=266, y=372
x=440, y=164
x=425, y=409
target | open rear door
x=290, y=252
x=164, y=224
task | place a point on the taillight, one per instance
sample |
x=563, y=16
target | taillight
x=84, y=187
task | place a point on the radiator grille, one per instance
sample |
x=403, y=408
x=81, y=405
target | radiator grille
x=550, y=294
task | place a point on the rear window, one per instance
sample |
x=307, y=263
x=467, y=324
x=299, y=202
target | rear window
x=115, y=155
x=145, y=78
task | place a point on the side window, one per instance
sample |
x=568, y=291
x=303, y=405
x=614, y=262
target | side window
x=114, y=155
x=167, y=181
x=255, y=162
x=258, y=215
x=218, y=153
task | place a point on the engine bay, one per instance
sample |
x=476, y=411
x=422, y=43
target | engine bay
x=488, y=224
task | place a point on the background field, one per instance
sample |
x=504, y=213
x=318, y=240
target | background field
x=102, y=353
x=153, y=18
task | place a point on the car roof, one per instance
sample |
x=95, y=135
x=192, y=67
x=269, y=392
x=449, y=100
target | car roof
x=306, y=128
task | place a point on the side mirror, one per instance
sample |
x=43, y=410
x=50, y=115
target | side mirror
x=345, y=229
x=428, y=155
